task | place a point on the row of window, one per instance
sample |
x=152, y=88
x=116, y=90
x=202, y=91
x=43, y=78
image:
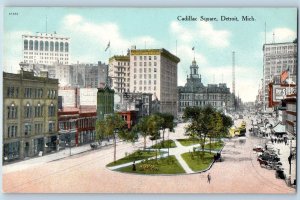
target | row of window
x=145, y=70
x=145, y=88
x=145, y=82
x=30, y=111
x=51, y=58
x=46, y=54
x=145, y=76
x=145, y=57
x=12, y=130
x=199, y=103
x=44, y=46
x=13, y=92
x=145, y=64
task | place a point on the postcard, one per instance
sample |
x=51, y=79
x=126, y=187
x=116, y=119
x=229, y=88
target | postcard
x=149, y=100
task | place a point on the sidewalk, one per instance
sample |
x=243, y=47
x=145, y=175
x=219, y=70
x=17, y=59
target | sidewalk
x=284, y=152
x=29, y=162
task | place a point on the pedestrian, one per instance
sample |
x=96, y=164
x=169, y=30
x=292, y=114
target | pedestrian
x=208, y=178
x=133, y=166
x=272, y=140
x=275, y=140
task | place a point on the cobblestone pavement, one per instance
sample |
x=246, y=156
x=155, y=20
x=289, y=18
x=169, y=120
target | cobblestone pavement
x=86, y=172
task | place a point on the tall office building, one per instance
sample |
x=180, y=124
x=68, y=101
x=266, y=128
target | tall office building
x=119, y=73
x=155, y=71
x=277, y=58
x=45, y=48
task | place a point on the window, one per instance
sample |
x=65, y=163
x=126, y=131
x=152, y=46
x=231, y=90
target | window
x=12, y=131
x=154, y=82
x=38, y=128
x=56, y=46
x=12, y=91
x=134, y=70
x=149, y=75
x=41, y=45
x=36, y=45
x=51, y=110
x=141, y=70
x=155, y=63
x=27, y=111
x=149, y=70
x=149, y=57
x=154, y=69
x=25, y=44
x=61, y=47
x=27, y=129
x=141, y=57
x=145, y=64
x=154, y=57
x=134, y=64
x=38, y=111
x=66, y=47
x=30, y=45
x=145, y=70
x=150, y=64
x=134, y=57
x=27, y=93
x=46, y=46
x=51, y=46
x=51, y=126
x=154, y=76
x=140, y=64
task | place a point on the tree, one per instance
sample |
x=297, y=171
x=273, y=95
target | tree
x=142, y=128
x=154, y=124
x=167, y=122
x=112, y=126
x=202, y=122
x=218, y=125
x=227, y=123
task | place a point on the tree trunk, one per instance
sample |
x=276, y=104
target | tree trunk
x=163, y=142
x=115, y=149
x=145, y=142
x=156, y=149
x=209, y=144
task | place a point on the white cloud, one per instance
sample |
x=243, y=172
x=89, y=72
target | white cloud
x=203, y=31
x=215, y=38
x=97, y=37
x=281, y=35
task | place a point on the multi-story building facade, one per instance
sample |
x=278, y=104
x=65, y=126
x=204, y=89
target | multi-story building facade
x=119, y=73
x=194, y=93
x=29, y=115
x=277, y=58
x=46, y=48
x=155, y=71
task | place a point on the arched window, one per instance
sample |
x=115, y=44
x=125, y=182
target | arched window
x=56, y=46
x=46, y=46
x=51, y=46
x=41, y=46
x=30, y=45
x=61, y=45
x=66, y=47
x=25, y=44
x=36, y=45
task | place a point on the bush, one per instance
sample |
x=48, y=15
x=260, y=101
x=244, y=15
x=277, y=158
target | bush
x=148, y=167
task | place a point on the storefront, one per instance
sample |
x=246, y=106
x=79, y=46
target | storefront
x=11, y=151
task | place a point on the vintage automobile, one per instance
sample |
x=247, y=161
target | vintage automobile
x=258, y=149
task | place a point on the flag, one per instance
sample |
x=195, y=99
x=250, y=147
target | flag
x=108, y=45
x=284, y=75
x=193, y=48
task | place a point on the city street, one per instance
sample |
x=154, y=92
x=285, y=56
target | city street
x=86, y=172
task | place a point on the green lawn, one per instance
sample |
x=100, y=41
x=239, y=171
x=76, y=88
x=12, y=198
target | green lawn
x=188, y=142
x=215, y=146
x=166, y=143
x=138, y=155
x=167, y=165
x=195, y=162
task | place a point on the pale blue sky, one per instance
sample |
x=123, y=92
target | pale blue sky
x=90, y=29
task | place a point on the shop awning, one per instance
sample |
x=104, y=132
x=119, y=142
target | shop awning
x=279, y=128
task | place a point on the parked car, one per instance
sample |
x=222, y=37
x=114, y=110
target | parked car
x=258, y=149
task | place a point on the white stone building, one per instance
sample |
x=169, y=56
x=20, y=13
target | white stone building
x=155, y=71
x=277, y=58
x=45, y=48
